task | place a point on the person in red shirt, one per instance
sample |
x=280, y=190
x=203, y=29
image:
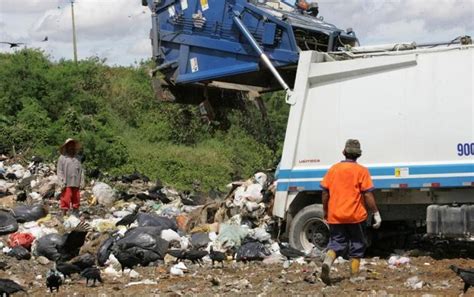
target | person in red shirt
x=347, y=192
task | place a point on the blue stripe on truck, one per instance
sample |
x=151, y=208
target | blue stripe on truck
x=385, y=170
x=444, y=182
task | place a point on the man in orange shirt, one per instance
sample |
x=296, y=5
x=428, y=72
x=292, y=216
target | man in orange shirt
x=347, y=192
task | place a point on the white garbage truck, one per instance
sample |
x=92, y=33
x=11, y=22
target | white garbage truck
x=410, y=105
x=412, y=108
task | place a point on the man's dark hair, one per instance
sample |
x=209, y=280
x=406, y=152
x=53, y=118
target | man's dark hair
x=351, y=156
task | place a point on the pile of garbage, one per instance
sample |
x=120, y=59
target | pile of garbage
x=129, y=221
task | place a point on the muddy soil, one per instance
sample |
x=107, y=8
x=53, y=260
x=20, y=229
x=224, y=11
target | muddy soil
x=377, y=279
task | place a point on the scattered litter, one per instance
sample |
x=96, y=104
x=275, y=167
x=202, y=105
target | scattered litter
x=104, y=193
x=21, y=239
x=175, y=270
x=20, y=253
x=71, y=222
x=131, y=273
x=395, y=261
x=170, y=235
x=414, y=283
x=42, y=260
x=111, y=272
x=231, y=235
x=143, y=282
x=252, y=251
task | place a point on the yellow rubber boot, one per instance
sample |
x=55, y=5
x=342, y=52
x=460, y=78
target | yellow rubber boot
x=328, y=260
x=355, y=266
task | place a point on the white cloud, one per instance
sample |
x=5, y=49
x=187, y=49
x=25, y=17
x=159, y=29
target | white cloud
x=28, y=6
x=96, y=20
x=118, y=29
x=140, y=48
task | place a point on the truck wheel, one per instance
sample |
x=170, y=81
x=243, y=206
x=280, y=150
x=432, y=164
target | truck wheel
x=308, y=229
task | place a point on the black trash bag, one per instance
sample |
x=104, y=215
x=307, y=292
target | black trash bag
x=84, y=261
x=48, y=245
x=8, y=223
x=145, y=219
x=144, y=238
x=154, y=231
x=105, y=250
x=252, y=251
x=200, y=240
x=26, y=213
x=20, y=253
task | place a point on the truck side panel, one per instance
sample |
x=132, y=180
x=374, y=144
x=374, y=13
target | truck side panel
x=412, y=113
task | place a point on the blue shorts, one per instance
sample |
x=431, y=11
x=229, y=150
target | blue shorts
x=344, y=236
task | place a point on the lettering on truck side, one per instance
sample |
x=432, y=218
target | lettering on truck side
x=465, y=149
x=309, y=161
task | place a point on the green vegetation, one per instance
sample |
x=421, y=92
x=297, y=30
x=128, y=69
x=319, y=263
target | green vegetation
x=123, y=128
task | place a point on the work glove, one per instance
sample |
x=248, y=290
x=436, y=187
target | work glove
x=377, y=220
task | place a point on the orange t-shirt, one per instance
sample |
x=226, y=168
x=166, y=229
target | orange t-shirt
x=346, y=182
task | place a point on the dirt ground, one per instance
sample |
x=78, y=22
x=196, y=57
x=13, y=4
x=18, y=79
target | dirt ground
x=377, y=279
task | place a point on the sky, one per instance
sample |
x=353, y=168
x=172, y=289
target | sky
x=118, y=30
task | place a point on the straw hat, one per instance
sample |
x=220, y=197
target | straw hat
x=77, y=145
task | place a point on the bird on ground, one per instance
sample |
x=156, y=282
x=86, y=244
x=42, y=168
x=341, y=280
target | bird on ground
x=217, y=256
x=12, y=44
x=8, y=287
x=67, y=269
x=3, y=265
x=178, y=254
x=21, y=196
x=129, y=219
x=467, y=275
x=73, y=241
x=11, y=176
x=91, y=273
x=289, y=252
x=195, y=256
x=84, y=261
x=53, y=280
x=128, y=260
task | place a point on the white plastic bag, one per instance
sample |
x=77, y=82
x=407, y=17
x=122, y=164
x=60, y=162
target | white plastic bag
x=104, y=193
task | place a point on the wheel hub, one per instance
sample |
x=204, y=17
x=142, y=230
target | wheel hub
x=315, y=234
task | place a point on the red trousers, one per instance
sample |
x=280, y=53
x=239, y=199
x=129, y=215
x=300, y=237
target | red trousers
x=70, y=198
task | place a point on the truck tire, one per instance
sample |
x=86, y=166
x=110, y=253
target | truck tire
x=308, y=229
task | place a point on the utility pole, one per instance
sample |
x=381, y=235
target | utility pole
x=74, y=32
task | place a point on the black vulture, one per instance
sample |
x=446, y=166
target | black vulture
x=178, y=254
x=73, y=241
x=53, y=280
x=84, y=261
x=128, y=259
x=217, y=256
x=91, y=273
x=8, y=287
x=12, y=44
x=129, y=219
x=67, y=269
x=195, y=256
x=467, y=276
